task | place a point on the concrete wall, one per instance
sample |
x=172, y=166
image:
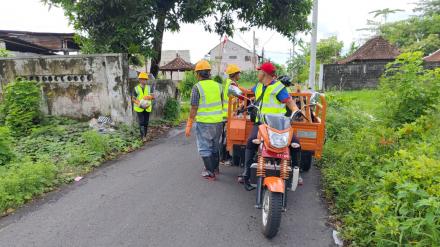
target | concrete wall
x=81, y=86
x=162, y=90
x=356, y=76
x=85, y=86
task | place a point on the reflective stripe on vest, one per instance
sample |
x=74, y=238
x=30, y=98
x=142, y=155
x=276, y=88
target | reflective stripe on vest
x=210, y=108
x=270, y=104
x=226, y=98
x=140, y=95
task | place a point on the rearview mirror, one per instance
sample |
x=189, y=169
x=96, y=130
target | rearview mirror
x=314, y=98
x=235, y=91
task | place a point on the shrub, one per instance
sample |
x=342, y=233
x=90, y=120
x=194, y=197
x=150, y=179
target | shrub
x=6, y=153
x=171, y=110
x=22, y=106
x=218, y=79
x=409, y=90
x=248, y=76
x=187, y=84
x=96, y=142
x=21, y=182
x=384, y=180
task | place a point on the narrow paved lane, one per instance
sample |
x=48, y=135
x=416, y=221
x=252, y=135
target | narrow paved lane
x=155, y=197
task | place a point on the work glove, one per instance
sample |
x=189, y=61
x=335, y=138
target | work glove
x=189, y=124
x=148, y=97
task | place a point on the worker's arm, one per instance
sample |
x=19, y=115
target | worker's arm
x=292, y=106
x=195, y=96
x=193, y=112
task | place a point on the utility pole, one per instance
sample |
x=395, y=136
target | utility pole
x=254, y=57
x=312, y=71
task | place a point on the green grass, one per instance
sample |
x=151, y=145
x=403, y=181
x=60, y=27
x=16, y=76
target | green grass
x=367, y=100
x=247, y=84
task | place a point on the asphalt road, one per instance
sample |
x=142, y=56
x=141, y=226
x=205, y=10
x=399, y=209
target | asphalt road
x=156, y=197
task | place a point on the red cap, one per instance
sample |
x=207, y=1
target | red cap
x=268, y=68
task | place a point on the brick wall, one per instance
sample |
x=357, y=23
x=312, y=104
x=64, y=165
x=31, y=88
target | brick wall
x=357, y=76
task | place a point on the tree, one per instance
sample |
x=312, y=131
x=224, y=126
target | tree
x=329, y=50
x=428, y=7
x=353, y=48
x=137, y=26
x=384, y=13
x=418, y=33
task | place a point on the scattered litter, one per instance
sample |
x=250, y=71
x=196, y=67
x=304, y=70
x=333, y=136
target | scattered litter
x=102, y=124
x=338, y=241
x=78, y=178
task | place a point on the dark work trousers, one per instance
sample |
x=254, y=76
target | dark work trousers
x=224, y=155
x=251, y=150
x=144, y=118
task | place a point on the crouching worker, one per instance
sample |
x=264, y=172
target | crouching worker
x=207, y=112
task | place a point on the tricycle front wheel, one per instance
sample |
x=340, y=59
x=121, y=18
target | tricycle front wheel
x=271, y=213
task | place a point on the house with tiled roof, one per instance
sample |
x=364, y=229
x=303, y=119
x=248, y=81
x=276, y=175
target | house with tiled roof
x=376, y=49
x=434, y=57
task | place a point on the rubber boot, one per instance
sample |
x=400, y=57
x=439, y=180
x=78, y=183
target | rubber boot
x=145, y=131
x=209, y=168
x=216, y=163
x=142, y=131
x=249, y=159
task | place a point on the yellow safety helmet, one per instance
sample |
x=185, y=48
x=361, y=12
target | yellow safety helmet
x=143, y=75
x=202, y=65
x=232, y=69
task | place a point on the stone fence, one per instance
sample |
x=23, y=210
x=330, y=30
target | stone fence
x=356, y=76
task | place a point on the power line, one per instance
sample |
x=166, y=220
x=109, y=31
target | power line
x=273, y=33
x=248, y=46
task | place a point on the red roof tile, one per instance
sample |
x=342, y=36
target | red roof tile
x=434, y=57
x=376, y=48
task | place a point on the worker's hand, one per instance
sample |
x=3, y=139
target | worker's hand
x=189, y=124
x=148, y=97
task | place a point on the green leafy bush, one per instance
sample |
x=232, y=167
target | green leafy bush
x=171, y=110
x=384, y=180
x=409, y=90
x=187, y=84
x=6, y=153
x=98, y=143
x=20, y=182
x=218, y=79
x=22, y=106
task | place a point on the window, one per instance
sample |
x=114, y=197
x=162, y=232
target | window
x=247, y=58
x=232, y=57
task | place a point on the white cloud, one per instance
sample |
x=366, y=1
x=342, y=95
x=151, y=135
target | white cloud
x=336, y=17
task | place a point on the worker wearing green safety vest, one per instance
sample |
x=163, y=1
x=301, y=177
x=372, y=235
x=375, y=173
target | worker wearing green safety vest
x=272, y=97
x=233, y=72
x=142, y=103
x=207, y=111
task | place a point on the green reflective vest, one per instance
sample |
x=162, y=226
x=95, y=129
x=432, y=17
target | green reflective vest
x=210, y=108
x=270, y=104
x=226, y=98
x=140, y=95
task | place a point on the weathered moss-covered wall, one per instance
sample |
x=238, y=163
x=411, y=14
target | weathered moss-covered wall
x=82, y=86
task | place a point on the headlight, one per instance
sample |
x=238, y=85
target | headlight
x=278, y=140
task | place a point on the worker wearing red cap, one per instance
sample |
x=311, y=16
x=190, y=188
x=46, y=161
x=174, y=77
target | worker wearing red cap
x=272, y=97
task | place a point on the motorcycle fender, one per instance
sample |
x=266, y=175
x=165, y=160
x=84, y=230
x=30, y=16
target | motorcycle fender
x=274, y=184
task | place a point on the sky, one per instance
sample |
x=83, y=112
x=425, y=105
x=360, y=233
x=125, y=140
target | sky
x=336, y=17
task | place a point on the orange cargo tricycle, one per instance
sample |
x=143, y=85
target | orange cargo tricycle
x=311, y=131
x=273, y=173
